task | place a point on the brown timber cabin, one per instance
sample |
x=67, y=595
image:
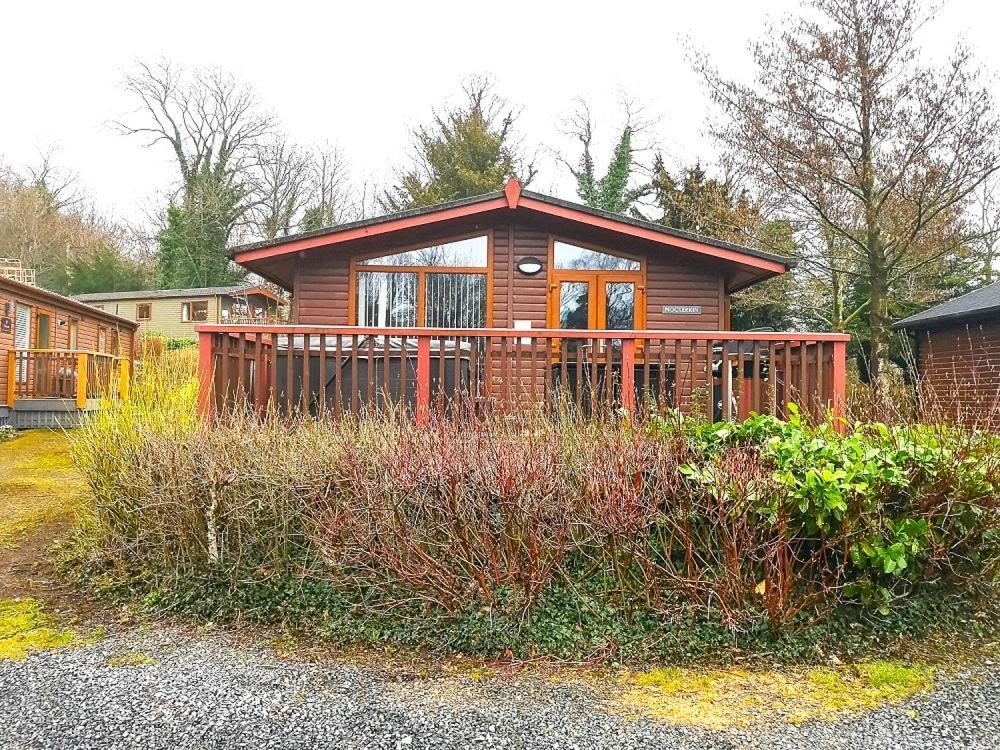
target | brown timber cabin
x=513, y=297
x=58, y=357
x=957, y=357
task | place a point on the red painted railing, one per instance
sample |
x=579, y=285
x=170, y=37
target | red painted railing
x=337, y=370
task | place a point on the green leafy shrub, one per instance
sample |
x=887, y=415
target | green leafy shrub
x=530, y=535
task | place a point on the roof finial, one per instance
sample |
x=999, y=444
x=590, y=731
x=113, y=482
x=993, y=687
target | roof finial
x=513, y=191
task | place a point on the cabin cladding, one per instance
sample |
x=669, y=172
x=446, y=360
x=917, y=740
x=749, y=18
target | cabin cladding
x=959, y=366
x=679, y=292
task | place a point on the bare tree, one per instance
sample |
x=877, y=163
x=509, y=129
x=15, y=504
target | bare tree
x=283, y=187
x=213, y=125
x=328, y=200
x=865, y=142
x=986, y=219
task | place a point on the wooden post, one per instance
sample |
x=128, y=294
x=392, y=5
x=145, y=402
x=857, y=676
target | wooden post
x=628, y=375
x=838, y=384
x=423, y=379
x=124, y=374
x=206, y=375
x=81, y=380
x=11, y=378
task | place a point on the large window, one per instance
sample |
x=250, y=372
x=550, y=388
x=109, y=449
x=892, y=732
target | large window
x=441, y=286
x=575, y=258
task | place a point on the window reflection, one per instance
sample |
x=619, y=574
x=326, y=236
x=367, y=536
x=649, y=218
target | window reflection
x=574, y=304
x=620, y=299
x=387, y=299
x=574, y=257
x=470, y=253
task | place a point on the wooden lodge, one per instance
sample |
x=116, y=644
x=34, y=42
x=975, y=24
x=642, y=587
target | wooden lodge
x=59, y=358
x=511, y=299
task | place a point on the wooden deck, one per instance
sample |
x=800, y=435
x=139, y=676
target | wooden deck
x=348, y=370
x=79, y=376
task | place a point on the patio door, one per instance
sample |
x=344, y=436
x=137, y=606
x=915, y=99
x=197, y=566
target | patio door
x=609, y=300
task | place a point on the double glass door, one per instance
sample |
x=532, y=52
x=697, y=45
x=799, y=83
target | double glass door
x=595, y=300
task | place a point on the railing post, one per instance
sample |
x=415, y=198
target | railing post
x=628, y=376
x=423, y=379
x=206, y=376
x=124, y=374
x=82, y=361
x=838, y=384
x=12, y=372
x=11, y=378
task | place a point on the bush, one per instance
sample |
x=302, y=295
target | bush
x=523, y=534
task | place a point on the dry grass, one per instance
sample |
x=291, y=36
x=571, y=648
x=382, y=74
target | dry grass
x=38, y=484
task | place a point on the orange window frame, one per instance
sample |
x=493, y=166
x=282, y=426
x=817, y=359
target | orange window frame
x=598, y=310
x=422, y=271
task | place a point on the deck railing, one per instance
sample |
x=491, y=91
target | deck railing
x=66, y=374
x=337, y=370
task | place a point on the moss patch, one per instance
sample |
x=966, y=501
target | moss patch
x=38, y=484
x=24, y=627
x=132, y=659
x=739, y=698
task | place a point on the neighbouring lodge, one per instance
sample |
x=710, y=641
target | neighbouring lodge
x=512, y=298
x=957, y=356
x=176, y=312
x=58, y=357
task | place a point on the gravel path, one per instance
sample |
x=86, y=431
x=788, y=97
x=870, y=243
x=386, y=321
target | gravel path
x=208, y=692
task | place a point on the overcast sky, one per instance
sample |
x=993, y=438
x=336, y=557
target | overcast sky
x=361, y=74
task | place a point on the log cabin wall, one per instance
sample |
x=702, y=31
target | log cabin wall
x=323, y=281
x=959, y=366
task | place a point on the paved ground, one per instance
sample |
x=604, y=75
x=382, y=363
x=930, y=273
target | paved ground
x=168, y=689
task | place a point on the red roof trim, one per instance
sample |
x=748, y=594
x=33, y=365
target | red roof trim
x=648, y=234
x=513, y=199
x=373, y=230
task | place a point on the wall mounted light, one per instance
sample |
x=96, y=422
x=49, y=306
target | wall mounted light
x=529, y=266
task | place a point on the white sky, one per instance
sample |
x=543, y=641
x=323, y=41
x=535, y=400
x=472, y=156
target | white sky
x=361, y=74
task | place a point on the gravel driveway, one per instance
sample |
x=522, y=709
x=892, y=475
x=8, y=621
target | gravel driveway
x=207, y=691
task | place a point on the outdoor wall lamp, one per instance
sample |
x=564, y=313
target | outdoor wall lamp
x=529, y=266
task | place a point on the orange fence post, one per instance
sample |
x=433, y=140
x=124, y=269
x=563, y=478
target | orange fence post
x=423, y=379
x=81, y=380
x=124, y=369
x=206, y=375
x=11, y=377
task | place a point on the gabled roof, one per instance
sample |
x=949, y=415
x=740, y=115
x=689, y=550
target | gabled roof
x=515, y=200
x=971, y=305
x=35, y=292
x=205, y=291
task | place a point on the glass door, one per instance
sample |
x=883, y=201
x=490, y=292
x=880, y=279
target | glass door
x=596, y=301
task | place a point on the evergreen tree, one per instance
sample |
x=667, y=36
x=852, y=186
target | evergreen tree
x=616, y=191
x=466, y=151
x=193, y=243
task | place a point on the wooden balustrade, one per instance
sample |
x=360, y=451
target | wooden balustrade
x=337, y=370
x=57, y=373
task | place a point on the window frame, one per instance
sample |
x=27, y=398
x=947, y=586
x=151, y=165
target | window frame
x=49, y=315
x=557, y=276
x=139, y=307
x=421, y=272
x=188, y=305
